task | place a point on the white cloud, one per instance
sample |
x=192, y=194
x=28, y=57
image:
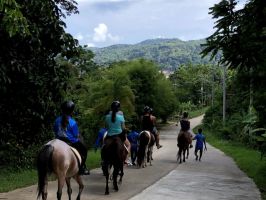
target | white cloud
x=101, y=34
x=90, y=45
x=79, y=37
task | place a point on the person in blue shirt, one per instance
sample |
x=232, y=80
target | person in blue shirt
x=133, y=139
x=99, y=141
x=66, y=129
x=200, y=140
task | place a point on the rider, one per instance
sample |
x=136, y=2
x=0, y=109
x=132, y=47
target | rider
x=66, y=129
x=148, y=124
x=185, y=126
x=115, y=122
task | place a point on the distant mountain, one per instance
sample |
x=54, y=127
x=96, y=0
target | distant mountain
x=167, y=53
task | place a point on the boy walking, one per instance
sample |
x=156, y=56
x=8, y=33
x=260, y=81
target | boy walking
x=200, y=140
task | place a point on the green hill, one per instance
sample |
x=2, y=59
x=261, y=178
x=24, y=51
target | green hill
x=167, y=53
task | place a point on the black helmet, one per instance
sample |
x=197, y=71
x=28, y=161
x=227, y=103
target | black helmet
x=185, y=114
x=147, y=109
x=68, y=107
x=115, y=105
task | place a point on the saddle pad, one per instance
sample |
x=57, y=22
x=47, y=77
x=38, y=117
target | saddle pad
x=76, y=154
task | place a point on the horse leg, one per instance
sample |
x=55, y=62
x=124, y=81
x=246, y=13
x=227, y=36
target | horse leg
x=184, y=155
x=81, y=185
x=61, y=181
x=107, y=173
x=69, y=190
x=115, y=174
x=121, y=173
x=145, y=157
x=179, y=155
x=187, y=152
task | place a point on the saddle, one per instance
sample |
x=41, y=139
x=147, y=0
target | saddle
x=77, y=155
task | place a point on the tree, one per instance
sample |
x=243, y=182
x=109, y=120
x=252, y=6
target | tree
x=32, y=83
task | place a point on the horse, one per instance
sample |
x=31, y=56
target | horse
x=183, y=141
x=113, y=155
x=146, y=142
x=59, y=158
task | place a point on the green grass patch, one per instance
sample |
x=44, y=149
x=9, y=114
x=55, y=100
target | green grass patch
x=198, y=112
x=11, y=179
x=247, y=159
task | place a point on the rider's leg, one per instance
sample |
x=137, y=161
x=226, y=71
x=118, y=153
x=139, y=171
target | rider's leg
x=83, y=153
x=157, y=139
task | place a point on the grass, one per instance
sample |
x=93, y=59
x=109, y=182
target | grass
x=196, y=113
x=247, y=159
x=11, y=179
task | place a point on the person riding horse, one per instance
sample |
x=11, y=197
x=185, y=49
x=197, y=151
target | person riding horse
x=113, y=151
x=148, y=124
x=185, y=127
x=66, y=129
x=115, y=123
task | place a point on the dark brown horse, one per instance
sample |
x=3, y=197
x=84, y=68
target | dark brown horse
x=183, y=141
x=113, y=155
x=58, y=158
x=146, y=142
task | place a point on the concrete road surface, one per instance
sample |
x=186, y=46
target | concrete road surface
x=215, y=177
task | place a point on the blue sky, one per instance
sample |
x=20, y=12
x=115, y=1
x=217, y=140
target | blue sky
x=106, y=22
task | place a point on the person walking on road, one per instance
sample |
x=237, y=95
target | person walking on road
x=200, y=140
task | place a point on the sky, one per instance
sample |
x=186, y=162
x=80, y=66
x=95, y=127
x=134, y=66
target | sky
x=103, y=23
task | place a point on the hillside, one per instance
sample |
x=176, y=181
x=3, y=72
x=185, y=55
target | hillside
x=167, y=53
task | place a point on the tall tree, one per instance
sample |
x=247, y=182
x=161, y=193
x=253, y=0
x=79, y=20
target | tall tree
x=32, y=84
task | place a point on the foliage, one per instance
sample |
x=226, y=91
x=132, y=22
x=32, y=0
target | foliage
x=167, y=53
x=195, y=84
x=32, y=84
x=134, y=83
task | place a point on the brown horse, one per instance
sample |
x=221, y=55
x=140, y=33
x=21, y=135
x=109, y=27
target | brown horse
x=183, y=141
x=144, y=154
x=58, y=158
x=113, y=155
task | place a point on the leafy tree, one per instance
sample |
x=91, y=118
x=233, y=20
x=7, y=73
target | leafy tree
x=32, y=84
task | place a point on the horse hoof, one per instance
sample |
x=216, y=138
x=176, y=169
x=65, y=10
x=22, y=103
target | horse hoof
x=106, y=193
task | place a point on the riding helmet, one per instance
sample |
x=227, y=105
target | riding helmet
x=68, y=107
x=147, y=109
x=115, y=105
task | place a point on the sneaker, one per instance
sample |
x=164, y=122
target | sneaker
x=196, y=157
x=84, y=171
x=159, y=146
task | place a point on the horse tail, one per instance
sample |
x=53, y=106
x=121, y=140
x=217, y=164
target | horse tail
x=44, y=166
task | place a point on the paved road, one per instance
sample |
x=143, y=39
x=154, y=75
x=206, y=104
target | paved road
x=215, y=177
